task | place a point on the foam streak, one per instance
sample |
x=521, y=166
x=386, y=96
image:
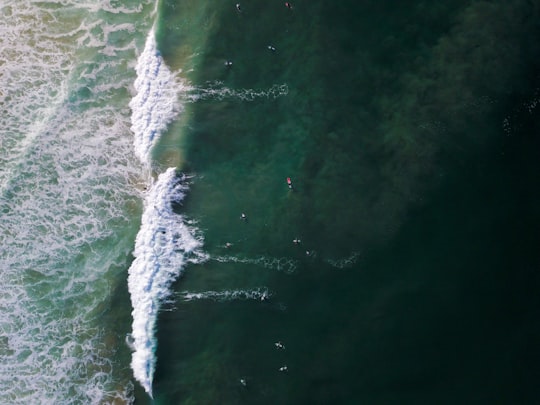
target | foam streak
x=258, y=294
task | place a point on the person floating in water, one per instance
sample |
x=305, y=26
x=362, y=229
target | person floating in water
x=288, y=5
x=271, y=48
x=243, y=381
x=228, y=63
x=296, y=241
x=279, y=345
x=289, y=183
x=243, y=216
x=283, y=368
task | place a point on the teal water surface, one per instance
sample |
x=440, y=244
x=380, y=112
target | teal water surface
x=409, y=132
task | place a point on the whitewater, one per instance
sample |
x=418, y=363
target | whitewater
x=70, y=195
x=86, y=96
x=166, y=241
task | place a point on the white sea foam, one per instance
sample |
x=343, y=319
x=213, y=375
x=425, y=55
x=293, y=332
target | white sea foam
x=155, y=104
x=165, y=244
x=257, y=294
x=67, y=175
x=284, y=264
x=345, y=262
x=166, y=241
x=217, y=91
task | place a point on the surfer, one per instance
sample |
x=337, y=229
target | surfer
x=296, y=241
x=228, y=63
x=264, y=296
x=271, y=48
x=289, y=183
x=238, y=7
x=279, y=345
x=283, y=368
x=228, y=245
x=243, y=216
x=288, y=5
x=243, y=381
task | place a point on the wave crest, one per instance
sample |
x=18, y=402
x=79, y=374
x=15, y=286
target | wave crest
x=164, y=245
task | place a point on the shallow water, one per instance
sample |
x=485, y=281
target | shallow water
x=69, y=193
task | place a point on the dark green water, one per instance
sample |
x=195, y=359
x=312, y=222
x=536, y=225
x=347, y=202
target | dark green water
x=411, y=134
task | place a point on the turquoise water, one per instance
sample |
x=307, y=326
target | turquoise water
x=129, y=151
x=70, y=198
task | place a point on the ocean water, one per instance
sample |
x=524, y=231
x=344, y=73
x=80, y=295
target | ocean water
x=400, y=267
x=71, y=190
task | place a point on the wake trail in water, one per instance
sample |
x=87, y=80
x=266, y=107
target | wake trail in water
x=217, y=91
x=346, y=262
x=283, y=264
x=257, y=294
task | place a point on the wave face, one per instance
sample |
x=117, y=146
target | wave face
x=165, y=244
x=155, y=104
x=166, y=241
x=67, y=195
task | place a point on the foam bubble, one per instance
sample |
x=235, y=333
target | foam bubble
x=217, y=91
x=166, y=242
